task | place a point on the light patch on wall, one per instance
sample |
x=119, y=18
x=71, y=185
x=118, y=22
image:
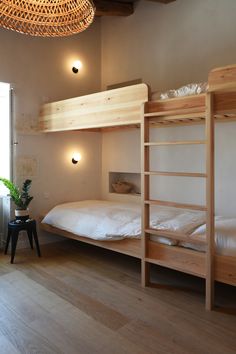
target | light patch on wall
x=73, y=152
x=26, y=166
x=26, y=124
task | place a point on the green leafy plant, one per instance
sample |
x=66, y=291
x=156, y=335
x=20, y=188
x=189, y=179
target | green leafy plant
x=21, y=197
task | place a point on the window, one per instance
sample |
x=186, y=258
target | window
x=4, y=134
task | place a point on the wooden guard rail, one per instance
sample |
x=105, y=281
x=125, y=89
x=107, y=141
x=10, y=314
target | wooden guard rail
x=176, y=205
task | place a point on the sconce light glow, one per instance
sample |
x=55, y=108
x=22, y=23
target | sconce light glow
x=76, y=158
x=77, y=65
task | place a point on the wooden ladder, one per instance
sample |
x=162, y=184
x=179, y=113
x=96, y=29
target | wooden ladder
x=147, y=202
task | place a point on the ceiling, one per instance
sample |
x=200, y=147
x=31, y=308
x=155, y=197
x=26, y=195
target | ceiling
x=119, y=7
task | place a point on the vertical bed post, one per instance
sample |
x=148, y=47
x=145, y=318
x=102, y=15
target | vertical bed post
x=145, y=266
x=210, y=201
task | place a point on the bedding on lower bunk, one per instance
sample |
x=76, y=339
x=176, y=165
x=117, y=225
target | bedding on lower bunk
x=106, y=220
x=225, y=237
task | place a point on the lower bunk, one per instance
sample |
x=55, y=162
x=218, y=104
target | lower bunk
x=117, y=227
x=173, y=257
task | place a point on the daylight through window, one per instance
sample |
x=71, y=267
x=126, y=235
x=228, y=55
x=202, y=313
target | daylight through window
x=4, y=133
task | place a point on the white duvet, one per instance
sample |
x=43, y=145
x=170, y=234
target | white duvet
x=105, y=220
x=225, y=237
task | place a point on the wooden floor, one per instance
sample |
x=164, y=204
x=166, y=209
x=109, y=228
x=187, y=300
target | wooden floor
x=80, y=299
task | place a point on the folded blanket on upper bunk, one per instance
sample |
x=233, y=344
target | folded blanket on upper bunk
x=187, y=90
x=105, y=220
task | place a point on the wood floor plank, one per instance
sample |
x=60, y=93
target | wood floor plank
x=90, y=305
x=99, y=338
x=21, y=336
x=81, y=333
x=133, y=299
x=81, y=300
x=6, y=346
x=152, y=339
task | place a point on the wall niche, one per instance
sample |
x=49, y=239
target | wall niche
x=134, y=179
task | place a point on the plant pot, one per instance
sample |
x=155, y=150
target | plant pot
x=22, y=214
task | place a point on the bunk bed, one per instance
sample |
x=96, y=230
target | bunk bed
x=129, y=106
x=117, y=108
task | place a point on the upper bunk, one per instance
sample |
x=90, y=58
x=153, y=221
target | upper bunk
x=124, y=107
x=117, y=107
x=192, y=109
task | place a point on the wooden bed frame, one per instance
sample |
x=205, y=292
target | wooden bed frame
x=130, y=247
x=129, y=106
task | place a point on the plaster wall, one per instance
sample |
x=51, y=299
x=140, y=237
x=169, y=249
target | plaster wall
x=39, y=70
x=169, y=46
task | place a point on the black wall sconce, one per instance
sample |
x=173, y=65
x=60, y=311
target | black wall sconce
x=76, y=158
x=77, y=65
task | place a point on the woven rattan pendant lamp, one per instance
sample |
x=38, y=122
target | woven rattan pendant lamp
x=46, y=18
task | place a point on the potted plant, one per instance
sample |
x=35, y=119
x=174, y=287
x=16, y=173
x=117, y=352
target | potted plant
x=21, y=198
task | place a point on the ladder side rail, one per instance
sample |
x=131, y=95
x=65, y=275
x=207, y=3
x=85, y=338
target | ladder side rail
x=210, y=200
x=145, y=193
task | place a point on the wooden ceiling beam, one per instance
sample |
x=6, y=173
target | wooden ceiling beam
x=119, y=7
x=113, y=8
x=163, y=1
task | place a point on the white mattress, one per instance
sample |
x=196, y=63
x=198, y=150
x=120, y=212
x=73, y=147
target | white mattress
x=105, y=220
x=225, y=237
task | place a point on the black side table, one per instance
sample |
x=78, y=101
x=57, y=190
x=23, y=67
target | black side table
x=14, y=227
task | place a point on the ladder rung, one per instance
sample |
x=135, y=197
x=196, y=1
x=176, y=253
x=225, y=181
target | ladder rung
x=188, y=142
x=174, y=236
x=178, y=114
x=176, y=205
x=170, y=122
x=176, y=265
x=177, y=174
x=183, y=117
